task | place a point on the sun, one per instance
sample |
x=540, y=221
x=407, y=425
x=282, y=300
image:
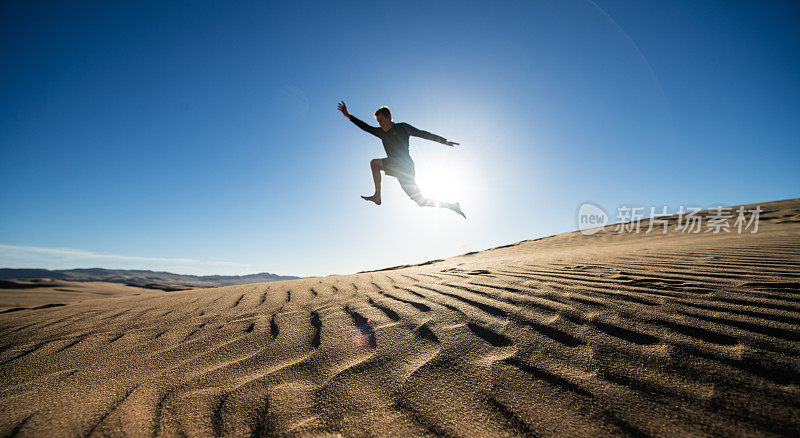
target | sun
x=439, y=184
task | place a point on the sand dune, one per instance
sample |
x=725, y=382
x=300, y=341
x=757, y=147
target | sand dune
x=570, y=335
x=17, y=295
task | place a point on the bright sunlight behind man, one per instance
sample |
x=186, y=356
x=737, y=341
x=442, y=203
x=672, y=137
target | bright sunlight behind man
x=443, y=182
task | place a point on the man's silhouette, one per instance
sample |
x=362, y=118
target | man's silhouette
x=398, y=162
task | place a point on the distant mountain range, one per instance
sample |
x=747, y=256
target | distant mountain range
x=148, y=279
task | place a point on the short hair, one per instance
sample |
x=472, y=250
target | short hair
x=385, y=111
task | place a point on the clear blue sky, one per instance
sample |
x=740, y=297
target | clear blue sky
x=203, y=137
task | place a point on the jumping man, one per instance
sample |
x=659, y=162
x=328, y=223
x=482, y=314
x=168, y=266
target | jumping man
x=398, y=162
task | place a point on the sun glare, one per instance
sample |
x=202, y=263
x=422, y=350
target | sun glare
x=443, y=183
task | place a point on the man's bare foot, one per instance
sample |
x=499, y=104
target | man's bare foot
x=457, y=208
x=374, y=198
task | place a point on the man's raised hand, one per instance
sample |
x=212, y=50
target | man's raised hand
x=450, y=143
x=343, y=108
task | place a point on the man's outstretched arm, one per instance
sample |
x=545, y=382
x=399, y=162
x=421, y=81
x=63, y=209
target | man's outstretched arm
x=428, y=136
x=371, y=129
x=374, y=130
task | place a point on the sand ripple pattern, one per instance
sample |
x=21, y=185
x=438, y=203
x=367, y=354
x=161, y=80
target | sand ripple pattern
x=571, y=335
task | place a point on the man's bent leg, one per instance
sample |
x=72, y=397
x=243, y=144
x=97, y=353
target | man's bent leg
x=376, y=165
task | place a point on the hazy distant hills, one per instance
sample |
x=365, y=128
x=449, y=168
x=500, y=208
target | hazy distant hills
x=149, y=279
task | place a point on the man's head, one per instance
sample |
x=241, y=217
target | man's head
x=384, y=117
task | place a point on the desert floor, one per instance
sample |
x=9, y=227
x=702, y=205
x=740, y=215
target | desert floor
x=610, y=334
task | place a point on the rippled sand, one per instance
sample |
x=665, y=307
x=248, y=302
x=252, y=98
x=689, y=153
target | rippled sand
x=570, y=335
